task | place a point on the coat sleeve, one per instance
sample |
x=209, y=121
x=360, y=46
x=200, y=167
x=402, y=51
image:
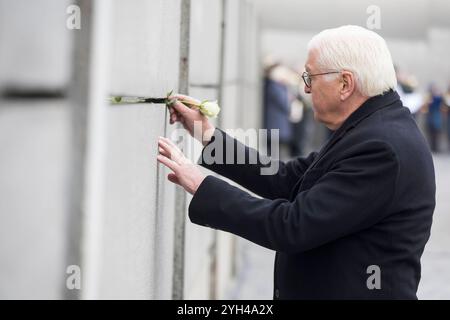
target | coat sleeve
x=353, y=195
x=267, y=178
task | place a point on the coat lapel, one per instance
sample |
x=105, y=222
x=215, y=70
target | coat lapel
x=365, y=110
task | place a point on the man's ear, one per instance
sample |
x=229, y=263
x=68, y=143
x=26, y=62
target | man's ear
x=348, y=85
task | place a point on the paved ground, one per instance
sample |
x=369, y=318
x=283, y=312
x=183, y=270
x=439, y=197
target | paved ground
x=435, y=282
x=254, y=280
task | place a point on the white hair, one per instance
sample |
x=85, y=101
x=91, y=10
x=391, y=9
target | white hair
x=360, y=51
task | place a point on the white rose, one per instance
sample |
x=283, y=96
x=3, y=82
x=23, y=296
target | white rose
x=209, y=108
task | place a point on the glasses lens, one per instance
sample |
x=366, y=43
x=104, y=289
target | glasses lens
x=306, y=79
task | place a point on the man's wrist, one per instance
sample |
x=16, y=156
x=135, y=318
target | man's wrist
x=197, y=184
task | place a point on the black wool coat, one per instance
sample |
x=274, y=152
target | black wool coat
x=348, y=222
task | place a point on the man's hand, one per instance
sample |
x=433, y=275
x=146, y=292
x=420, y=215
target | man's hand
x=185, y=173
x=187, y=116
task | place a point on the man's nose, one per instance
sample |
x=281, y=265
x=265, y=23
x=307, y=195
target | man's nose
x=307, y=89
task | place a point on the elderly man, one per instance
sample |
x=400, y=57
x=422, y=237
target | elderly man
x=348, y=222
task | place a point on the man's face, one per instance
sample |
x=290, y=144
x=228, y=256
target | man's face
x=324, y=93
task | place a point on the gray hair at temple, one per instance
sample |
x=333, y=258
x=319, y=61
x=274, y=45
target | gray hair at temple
x=360, y=51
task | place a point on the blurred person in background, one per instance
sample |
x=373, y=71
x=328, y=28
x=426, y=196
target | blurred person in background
x=277, y=107
x=433, y=110
x=407, y=89
x=446, y=107
x=285, y=109
x=298, y=120
x=347, y=222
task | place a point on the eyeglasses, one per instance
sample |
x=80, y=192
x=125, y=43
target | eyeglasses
x=307, y=77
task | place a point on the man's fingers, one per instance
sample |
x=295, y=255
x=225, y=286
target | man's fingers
x=186, y=98
x=163, y=143
x=164, y=152
x=174, y=153
x=174, y=117
x=168, y=163
x=181, y=108
x=172, y=111
x=167, y=150
x=180, y=96
x=171, y=144
x=173, y=178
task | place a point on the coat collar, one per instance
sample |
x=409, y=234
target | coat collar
x=369, y=107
